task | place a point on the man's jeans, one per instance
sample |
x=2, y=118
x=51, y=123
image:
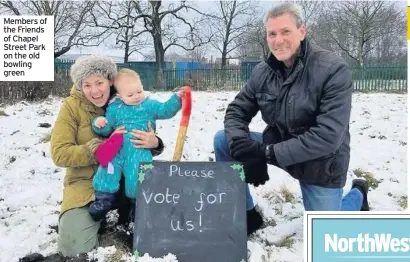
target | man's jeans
x=315, y=198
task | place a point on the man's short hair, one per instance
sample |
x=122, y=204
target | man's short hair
x=286, y=8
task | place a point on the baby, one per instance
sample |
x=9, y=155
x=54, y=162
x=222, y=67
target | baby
x=133, y=110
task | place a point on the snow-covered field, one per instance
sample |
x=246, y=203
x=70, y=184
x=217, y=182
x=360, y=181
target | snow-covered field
x=31, y=185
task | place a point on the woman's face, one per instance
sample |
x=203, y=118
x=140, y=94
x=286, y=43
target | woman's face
x=96, y=89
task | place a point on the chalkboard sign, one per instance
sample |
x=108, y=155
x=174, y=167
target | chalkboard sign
x=194, y=210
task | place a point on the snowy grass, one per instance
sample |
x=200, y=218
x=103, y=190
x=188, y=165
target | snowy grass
x=31, y=186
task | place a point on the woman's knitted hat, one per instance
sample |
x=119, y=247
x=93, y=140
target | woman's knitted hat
x=91, y=65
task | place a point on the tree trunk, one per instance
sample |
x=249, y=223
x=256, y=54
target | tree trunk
x=127, y=47
x=223, y=65
x=361, y=53
x=223, y=62
x=127, y=38
x=159, y=58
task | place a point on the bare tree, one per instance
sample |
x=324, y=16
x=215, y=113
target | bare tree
x=253, y=45
x=169, y=28
x=121, y=20
x=356, y=26
x=71, y=21
x=310, y=9
x=149, y=55
x=231, y=22
x=391, y=46
x=174, y=56
x=198, y=55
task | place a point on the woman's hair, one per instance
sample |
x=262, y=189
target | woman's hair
x=92, y=65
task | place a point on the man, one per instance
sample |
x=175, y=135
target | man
x=304, y=94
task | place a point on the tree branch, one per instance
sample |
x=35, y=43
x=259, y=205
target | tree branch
x=163, y=14
x=10, y=6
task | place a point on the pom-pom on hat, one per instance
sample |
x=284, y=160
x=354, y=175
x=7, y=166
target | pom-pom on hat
x=92, y=65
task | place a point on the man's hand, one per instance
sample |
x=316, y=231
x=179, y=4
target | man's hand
x=256, y=172
x=101, y=122
x=245, y=150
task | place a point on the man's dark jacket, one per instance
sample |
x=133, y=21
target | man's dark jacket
x=307, y=114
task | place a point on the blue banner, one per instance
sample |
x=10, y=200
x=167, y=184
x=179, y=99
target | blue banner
x=357, y=236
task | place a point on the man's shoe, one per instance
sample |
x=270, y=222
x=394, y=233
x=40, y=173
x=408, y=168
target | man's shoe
x=363, y=186
x=254, y=221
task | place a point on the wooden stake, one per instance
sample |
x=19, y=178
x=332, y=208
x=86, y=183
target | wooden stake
x=183, y=127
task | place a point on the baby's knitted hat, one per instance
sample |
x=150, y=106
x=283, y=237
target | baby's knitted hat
x=91, y=65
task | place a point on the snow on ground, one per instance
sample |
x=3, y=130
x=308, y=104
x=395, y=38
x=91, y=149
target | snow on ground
x=31, y=185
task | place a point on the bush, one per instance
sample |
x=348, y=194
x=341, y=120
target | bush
x=34, y=91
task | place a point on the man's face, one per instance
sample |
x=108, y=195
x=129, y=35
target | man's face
x=284, y=37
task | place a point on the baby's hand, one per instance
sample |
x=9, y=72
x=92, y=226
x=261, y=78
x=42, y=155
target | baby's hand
x=101, y=122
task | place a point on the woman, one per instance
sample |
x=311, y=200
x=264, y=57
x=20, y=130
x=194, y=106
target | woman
x=74, y=145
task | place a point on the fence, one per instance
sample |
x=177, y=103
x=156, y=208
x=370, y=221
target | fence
x=380, y=78
x=373, y=78
x=370, y=78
